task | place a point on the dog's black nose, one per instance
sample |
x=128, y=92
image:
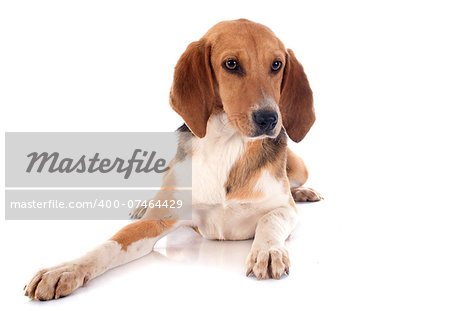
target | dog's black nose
x=265, y=120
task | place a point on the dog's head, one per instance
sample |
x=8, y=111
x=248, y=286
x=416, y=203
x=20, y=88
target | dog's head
x=242, y=68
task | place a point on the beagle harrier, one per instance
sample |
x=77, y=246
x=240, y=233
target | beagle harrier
x=240, y=93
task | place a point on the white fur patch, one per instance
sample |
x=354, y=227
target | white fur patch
x=213, y=157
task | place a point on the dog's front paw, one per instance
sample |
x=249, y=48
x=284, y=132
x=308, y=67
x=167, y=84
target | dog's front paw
x=56, y=282
x=268, y=263
x=303, y=194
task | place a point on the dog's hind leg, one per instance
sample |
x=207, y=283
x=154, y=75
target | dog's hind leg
x=298, y=175
x=296, y=169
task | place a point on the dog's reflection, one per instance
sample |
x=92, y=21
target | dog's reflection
x=187, y=246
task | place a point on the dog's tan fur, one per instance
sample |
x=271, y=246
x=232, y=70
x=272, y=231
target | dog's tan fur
x=244, y=183
x=141, y=229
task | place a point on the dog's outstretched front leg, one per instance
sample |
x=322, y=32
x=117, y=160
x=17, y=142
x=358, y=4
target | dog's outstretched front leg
x=131, y=242
x=268, y=256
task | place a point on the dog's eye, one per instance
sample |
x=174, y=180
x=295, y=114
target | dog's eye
x=231, y=64
x=276, y=65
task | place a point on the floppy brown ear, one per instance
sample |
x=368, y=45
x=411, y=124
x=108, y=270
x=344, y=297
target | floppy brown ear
x=192, y=92
x=296, y=101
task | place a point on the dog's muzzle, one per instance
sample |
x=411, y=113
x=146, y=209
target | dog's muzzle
x=265, y=121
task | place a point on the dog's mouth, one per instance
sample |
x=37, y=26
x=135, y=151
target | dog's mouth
x=272, y=134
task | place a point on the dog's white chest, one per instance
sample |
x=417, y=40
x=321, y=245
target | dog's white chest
x=212, y=159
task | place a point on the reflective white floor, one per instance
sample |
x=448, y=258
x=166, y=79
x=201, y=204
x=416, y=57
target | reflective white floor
x=349, y=256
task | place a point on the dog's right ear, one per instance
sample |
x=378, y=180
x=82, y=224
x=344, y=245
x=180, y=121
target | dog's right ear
x=296, y=102
x=192, y=93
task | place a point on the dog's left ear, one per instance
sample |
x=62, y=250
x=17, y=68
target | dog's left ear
x=296, y=101
x=192, y=94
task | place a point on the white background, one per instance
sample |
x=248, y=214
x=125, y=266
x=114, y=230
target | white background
x=378, y=151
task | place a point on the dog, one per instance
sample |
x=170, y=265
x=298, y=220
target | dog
x=240, y=93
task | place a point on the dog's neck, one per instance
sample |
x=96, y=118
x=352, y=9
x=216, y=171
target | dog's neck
x=219, y=127
x=221, y=138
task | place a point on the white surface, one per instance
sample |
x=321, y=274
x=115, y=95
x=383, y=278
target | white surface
x=378, y=151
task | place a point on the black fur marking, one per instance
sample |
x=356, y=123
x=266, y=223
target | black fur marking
x=184, y=143
x=184, y=129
